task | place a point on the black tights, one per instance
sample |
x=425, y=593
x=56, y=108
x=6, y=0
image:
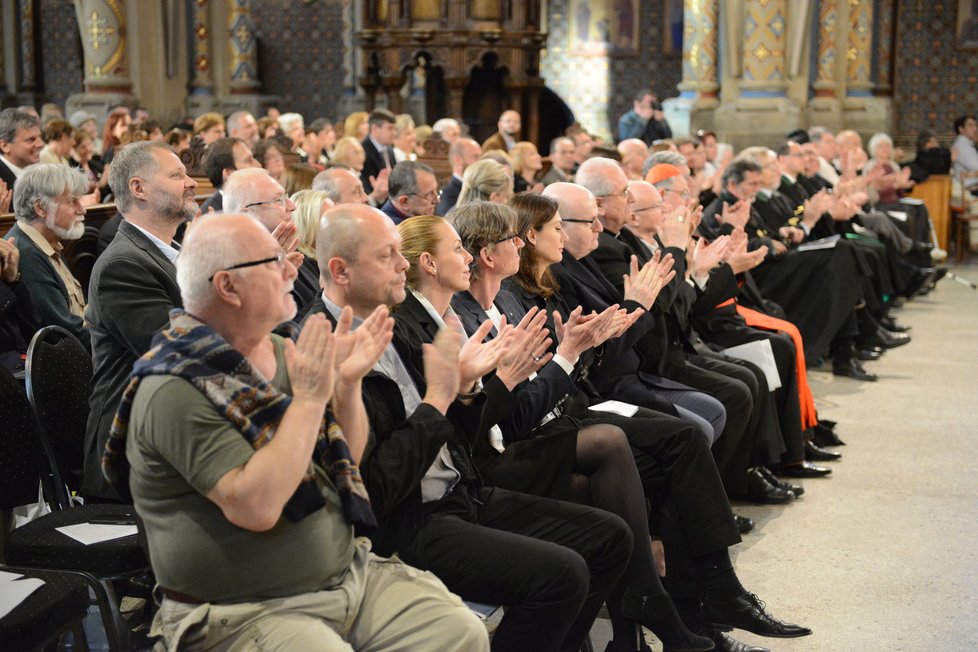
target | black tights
x=605, y=476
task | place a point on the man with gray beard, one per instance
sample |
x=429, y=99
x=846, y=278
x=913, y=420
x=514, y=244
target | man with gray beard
x=48, y=210
x=134, y=284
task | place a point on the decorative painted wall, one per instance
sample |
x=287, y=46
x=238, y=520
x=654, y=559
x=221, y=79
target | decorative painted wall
x=300, y=54
x=61, y=56
x=599, y=87
x=935, y=81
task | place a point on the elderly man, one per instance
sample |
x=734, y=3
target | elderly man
x=341, y=185
x=133, y=285
x=275, y=480
x=550, y=562
x=561, y=169
x=509, y=132
x=378, y=147
x=413, y=191
x=20, y=145
x=448, y=128
x=241, y=124
x=253, y=192
x=48, y=210
x=224, y=156
x=463, y=153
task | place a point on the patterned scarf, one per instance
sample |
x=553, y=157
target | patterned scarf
x=192, y=350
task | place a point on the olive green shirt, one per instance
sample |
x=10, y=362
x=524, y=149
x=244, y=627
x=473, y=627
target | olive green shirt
x=178, y=447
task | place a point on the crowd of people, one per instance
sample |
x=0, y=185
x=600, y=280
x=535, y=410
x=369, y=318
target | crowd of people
x=342, y=394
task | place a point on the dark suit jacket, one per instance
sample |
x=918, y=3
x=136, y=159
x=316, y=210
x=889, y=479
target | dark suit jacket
x=48, y=291
x=449, y=196
x=402, y=448
x=132, y=290
x=18, y=323
x=7, y=176
x=391, y=211
x=215, y=201
x=373, y=163
x=107, y=233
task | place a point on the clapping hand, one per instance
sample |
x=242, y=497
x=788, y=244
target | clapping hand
x=6, y=195
x=478, y=357
x=739, y=259
x=525, y=350
x=311, y=361
x=9, y=259
x=706, y=255
x=441, y=367
x=358, y=351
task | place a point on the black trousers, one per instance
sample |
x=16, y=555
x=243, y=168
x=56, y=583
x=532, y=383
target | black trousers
x=550, y=563
x=675, y=463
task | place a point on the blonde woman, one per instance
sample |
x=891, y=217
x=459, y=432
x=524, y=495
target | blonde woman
x=355, y=125
x=486, y=180
x=309, y=208
x=527, y=163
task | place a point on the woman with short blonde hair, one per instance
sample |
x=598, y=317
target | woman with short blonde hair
x=486, y=180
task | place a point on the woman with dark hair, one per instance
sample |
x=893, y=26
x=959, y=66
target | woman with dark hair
x=269, y=155
x=116, y=126
x=535, y=448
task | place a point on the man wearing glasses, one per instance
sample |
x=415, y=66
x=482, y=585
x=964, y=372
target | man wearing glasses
x=413, y=191
x=133, y=285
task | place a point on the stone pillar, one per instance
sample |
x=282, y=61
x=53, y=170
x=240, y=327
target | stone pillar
x=694, y=107
x=201, y=98
x=3, y=65
x=105, y=48
x=885, y=26
x=761, y=113
x=863, y=112
x=352, y=99
x=244, y=85
x=27, y=86
x=825, y=108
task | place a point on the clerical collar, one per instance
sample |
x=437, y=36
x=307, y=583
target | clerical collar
x=792, y=180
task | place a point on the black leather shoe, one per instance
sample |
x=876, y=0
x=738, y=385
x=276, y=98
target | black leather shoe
x=826, y=437
x=726, y=643
x=796, y=489
x=658, y=614
x=891, y=325
x=815, y=454
x=762, y=492
x=744, y=524
x=868, y=355
x=747, y=612
x=804, y=470
x=891, y=340
x=852, y=369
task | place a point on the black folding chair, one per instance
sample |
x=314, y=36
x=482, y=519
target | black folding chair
x=47, y=614
x=25, y=457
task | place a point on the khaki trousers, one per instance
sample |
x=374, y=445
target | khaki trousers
x=381, y=604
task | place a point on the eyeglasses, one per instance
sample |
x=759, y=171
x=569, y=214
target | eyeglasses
x=281, y=200
x=432, y=197
x=511, y=236
x=277, y=258
x=623, y=194
x=590, y=221
x=684, y=194
x=653, y=207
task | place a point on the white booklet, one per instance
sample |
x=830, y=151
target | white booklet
x=615, y=407
x=14, y=591
x=759, y=353
x=89, y=533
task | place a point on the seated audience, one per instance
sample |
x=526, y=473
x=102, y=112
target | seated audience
x=223, y=157
x=633, y=152
x=48, y=210
x=20, y=146
x=269, y=155
x=59, y=140
x=508, y=134
x=527, y=163
x=82, y=157
x=561, y=161
x=209, y=127
x=341, y=185
x=276, y=480
x=552, y=563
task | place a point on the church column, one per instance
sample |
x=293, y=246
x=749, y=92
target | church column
x=3, y=63
x=756, y=108
x=825, y=108
x=105, y=49
x=862, y=111
x=885, y=26
x=693, y=109
x=244, y=86
x=27, y=87
x=201, y=98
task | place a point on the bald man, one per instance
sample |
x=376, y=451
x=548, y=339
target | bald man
x=463, y=153
x=633, y=152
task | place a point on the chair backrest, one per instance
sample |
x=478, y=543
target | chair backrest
x=20, y=456
x=81, y=268
x=966, y=199
x=59, y=382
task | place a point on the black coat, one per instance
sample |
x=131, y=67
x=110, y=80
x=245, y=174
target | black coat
x=449, y=196
x=132, y=290
x=373, y=163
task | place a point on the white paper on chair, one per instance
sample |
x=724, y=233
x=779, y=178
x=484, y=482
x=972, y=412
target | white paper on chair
x=6, y=577
x=15, y=592
x=827, y=242
x=759, y=353
x=912, y=201
x=615, y=407
x=89, y=533
x=900, y=216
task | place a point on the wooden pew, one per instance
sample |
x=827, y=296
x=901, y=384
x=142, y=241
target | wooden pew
x=935, y=192
x=436, y=157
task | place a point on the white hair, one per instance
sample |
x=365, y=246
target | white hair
x=595, y=175
x=237, y=190
x=44, y=182
x=876, y=141
x=204, y=253
x=440, y=125
x=288, y=121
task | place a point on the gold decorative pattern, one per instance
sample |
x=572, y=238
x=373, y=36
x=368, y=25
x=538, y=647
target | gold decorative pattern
x=700, y=47
x=765, y=39
x=859, y=51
